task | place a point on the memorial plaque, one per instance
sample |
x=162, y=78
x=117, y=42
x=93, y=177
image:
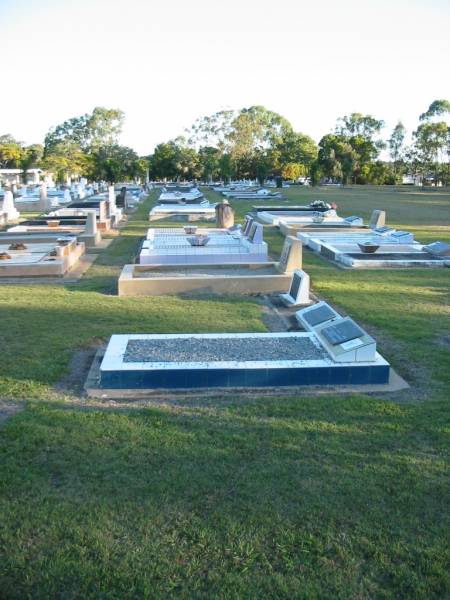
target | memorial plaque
x=295, y=286
x=383, y=229
x=342, y=332
x=251, y=235
x=247, y=225
x=285, y=254
x=319, y=315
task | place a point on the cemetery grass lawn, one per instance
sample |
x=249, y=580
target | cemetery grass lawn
x=310, y=497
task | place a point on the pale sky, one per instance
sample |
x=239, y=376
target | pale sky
x=167, y=63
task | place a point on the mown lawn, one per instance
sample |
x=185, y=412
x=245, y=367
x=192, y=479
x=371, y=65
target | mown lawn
x=342, y=496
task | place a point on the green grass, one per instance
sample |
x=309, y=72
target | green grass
x=342, y=496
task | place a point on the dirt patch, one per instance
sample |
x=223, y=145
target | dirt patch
x=443, y=341
x=79, y=366
x=8, y=410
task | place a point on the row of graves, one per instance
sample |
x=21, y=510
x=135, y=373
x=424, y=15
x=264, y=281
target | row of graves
x=349, y=243
x=182, y=202
x=247, y=191
x=325, y=349
x=53, y=244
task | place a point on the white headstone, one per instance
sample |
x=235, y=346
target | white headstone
x=91, y=222
x=67, y=196
x=298, y=293
x=112, y=200
x=43, y=196
x=12, y=214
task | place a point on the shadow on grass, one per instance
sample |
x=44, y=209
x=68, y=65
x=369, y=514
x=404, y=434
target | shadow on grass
x=329, y=496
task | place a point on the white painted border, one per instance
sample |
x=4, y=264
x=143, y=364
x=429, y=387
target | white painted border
x=113, y=358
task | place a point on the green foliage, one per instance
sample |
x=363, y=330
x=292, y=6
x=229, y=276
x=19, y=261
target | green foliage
x=90, y=131
x=11, y=152
x=293, y=171
x=175, y=159
x=436, y=109
x=65, y=159
x=115, y=163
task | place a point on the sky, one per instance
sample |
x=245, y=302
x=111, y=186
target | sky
x=166, y=63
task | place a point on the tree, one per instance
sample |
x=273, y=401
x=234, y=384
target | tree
x=163, y=161
x=432, y=144
x=293, y=171
x=436, y=109
x=337, y=158
x=360, y=132
x=65, y=159
x=297, y=148
x=396, y=142
x=115, y=163
x=209, y=159
x=11, y=152
x=249, y=139
x=433, y=137
x=90, y=131
x=31, y=157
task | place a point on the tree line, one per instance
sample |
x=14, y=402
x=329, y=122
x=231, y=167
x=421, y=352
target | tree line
x=253, y=143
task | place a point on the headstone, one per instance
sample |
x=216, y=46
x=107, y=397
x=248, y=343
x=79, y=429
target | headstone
x=256, y=233
x=112, y=200
x=24, y=191
x=67, y=196
x=224, y=215
x=43, y=196
x=80, y=192
x=298, y=293
x=291, y=255
x=91, y=222
x=378, y=219
x=247, y=225
x=12, y=214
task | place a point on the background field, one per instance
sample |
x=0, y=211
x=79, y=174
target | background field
x=308, y=497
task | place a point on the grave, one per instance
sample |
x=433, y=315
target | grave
x=203, y=211
x=223, y=247
x=298, y=293
x=235, y=278
x=382, y=252
x=84, y=228
x=234, y=360
x=353, y=223
x=50, y=258
x=304, y=218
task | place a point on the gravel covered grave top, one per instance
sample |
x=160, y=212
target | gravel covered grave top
x=223, y=349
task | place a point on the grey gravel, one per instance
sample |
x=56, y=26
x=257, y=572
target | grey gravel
x=221, y=349
x=148, y=271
